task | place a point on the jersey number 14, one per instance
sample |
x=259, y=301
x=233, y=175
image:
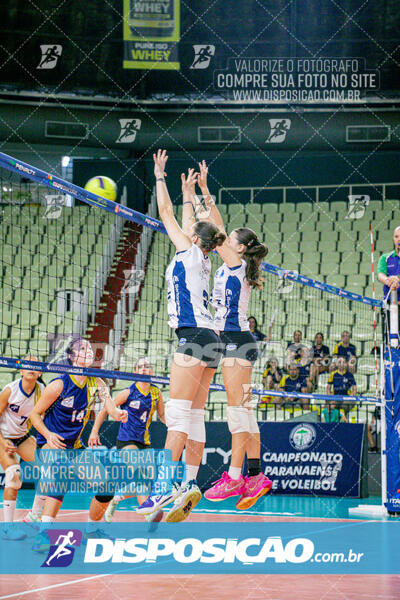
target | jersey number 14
x=77, y=416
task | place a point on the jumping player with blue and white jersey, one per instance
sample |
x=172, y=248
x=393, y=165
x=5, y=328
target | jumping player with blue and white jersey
x=62, y=412
x=198, y=352
x=141, y=400
x=242, y=253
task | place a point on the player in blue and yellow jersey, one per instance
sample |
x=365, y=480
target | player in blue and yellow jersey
x=342, y=383
x=307, y=369
x=347, y=350
x=62, y=412
x=140, y=400
x=293, y=383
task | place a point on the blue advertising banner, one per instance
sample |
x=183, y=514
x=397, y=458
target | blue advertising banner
x=340, y=547
x=322, y=459
x=300, y=458
x=392, y=413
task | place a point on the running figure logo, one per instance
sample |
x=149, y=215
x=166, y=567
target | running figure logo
x=61, y=551
x=285, y=284
x=357, y=206
x=129, y=129
x=133, y=280
x=54, y=205
x=202, y=56
x=279, y=129
x=50, y=55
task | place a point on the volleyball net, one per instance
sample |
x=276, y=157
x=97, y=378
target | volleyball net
x=74, y=264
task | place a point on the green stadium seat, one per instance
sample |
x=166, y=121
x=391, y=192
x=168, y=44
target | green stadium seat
x=290, y=230
x=337, y=280
x=305, y=208
x=327, y=246
x=5, y=378
x=365, y=267
x=9, y=317
x=343, y=229
x=272, y=219
x=338, y=206
x=254, y=208
x=356, y=283
x=255, y=224
x=269, y=208
x=235, y=209
x=309, y=236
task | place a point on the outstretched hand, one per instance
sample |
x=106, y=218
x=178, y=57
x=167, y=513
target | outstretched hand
x=188, y=184
x=160, y=160
x=202, y=176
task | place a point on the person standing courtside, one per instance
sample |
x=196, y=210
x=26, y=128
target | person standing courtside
x=389, y=268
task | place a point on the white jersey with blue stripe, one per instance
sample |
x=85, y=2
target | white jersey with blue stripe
x=188, y=280
x=230, y=298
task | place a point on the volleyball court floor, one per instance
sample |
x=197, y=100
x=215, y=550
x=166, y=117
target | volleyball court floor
x=207, y=587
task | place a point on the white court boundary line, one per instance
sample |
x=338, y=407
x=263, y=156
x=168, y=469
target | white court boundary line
x=56, y=585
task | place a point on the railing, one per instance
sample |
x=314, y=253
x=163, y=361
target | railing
x=216, y=411
x=129, y=294
x=103, y=270
x=284, y=189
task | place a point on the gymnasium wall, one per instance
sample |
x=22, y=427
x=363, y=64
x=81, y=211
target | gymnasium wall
x=245, y=169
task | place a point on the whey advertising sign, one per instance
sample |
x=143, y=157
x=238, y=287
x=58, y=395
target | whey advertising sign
x=151, y=34
x=322, y=459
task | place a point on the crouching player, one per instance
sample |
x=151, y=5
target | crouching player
x=64, y=408
x=140, y=400
x=16, y=403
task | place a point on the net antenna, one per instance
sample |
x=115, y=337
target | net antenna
x=394, y=319
x=374, y=309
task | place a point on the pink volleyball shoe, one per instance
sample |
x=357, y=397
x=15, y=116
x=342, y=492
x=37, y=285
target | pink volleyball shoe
x=225, y=488
x=255, y=487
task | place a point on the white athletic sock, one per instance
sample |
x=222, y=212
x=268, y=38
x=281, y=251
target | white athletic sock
x=9, y=510
x=234, y=472
x=38, y=505
x=47, y=519
x=191, y=473
x=118, y=498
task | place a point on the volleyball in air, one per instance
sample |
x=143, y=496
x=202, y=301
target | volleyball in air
x=102, y=186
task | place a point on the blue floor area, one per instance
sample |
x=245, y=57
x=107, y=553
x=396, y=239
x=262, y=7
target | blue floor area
x=282, y=506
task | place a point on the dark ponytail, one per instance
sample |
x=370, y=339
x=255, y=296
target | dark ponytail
x=209, y=234
x=253, y=255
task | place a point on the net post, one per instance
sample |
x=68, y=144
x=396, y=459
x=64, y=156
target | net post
x=383, y=434
x=394, y=320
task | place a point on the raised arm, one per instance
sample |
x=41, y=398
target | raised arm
x=108, y=403
x=228, y=254
x=94, y=439
x=165, y=208
x=212, y=213
x=189, y=201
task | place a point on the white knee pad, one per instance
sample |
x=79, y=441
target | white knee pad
x=177, y=415
x=238, y=419
x=12, y=477
x=197, y=430
x=253, y=425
